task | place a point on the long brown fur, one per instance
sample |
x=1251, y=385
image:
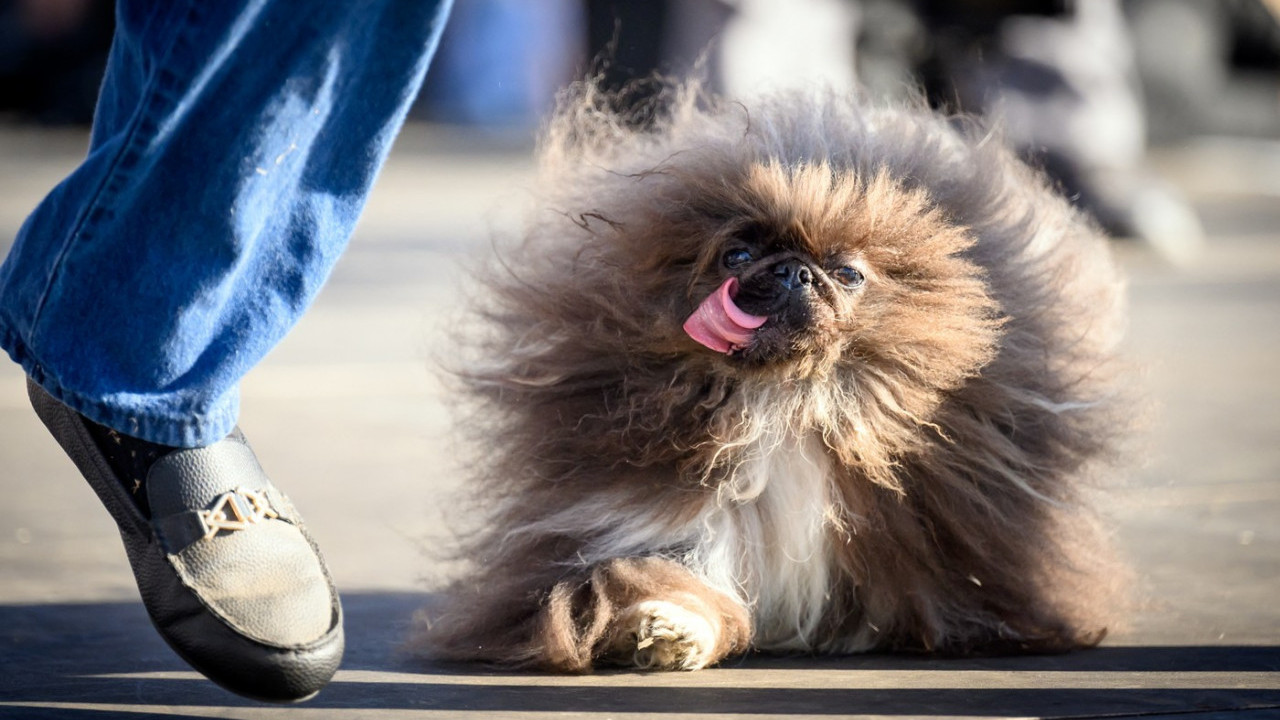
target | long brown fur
x=932, y=438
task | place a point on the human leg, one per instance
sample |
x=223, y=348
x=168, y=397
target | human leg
x=234, y=145
x=233, y=148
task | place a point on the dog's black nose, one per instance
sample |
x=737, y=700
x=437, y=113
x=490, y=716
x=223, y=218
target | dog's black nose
x=793, y=274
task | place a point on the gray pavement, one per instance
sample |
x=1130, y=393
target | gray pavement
x=347, y=416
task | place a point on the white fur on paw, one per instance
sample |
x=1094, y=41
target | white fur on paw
x=661, y=635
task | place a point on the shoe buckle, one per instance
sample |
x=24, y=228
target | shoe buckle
x=235, y=510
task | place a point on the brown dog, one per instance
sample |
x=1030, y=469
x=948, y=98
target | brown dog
x=806, y=375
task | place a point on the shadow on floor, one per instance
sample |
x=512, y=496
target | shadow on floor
x=103, y=655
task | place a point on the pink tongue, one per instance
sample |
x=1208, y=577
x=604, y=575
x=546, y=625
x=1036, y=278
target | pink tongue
x=721, y=325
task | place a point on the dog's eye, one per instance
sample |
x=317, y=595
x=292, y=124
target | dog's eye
x=848, y=276
x=734, y=259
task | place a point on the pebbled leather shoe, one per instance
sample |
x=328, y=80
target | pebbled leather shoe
x=226, y=569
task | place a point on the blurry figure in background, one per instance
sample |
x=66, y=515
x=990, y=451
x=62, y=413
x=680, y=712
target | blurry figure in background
x=500, y=62
x=1083, y=86
x=1060, y=76
x=1064, y=85
x=1220, y=77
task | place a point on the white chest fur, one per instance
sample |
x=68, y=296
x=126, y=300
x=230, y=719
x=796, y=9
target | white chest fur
x=767, y=540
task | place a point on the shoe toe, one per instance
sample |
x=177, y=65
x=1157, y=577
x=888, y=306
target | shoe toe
x=268, y=585
x=270, y=620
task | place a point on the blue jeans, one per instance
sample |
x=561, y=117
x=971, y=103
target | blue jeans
x=233, y=148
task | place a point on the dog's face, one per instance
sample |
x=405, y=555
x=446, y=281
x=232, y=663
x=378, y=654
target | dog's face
x=805, y=271
x=801, y=292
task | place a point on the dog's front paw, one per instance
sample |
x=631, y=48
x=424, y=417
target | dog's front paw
x=661, y=635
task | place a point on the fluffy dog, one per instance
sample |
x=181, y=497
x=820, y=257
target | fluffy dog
x=807, y=375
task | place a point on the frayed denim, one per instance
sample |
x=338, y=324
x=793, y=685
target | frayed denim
x=234, y=145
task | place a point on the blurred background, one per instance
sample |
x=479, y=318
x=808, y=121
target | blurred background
x=1159, y=117
x=1085, y=88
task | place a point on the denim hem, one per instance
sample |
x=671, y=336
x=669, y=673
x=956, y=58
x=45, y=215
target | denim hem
x=172, y=427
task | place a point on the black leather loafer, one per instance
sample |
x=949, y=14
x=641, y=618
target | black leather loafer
x=226, y=569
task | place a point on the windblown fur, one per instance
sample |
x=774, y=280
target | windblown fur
x=903, y=466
